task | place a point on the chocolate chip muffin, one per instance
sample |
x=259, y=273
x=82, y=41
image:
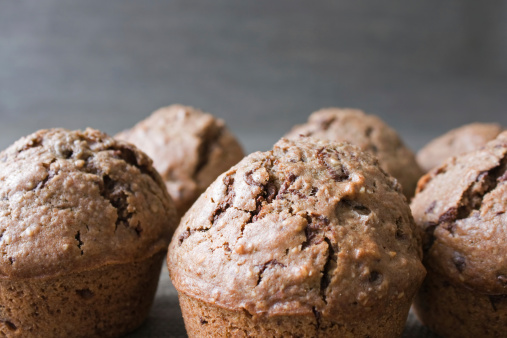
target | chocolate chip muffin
x=189, y=148
x=461, y=206
x=310, y=239
x=85, y=221
x=455, y=142
x=371, y=134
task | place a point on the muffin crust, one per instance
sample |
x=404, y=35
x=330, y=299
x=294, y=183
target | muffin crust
x=461, y=207
x=72, y=201
x=189, y=148
x=455, y=142
x=371, y=134
x=311, y=228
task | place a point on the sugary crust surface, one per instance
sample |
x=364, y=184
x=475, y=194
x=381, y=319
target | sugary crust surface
x=73, y=201
x=369, y=133
x=455, y=142
x=189, y=148
x=461, y=206
x=311, y=227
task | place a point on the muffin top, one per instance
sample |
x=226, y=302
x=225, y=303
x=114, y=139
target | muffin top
x=309, y=227
x=461, y=206
x=73, y=201
x=369, y=133
x=455, y=142
x=189, y=149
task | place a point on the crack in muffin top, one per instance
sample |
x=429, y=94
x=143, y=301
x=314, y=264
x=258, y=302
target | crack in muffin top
x=461, y=207
x=309, y=227
x=73, y=201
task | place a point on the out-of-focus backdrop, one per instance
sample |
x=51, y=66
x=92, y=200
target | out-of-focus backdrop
x=424, y=67
x=263, y=66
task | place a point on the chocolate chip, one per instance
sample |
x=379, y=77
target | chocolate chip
x=263, y=267
x=85, y=293
x=459, y=262
x=10, y=325
x=375, y=277
x=339, y=174
x=357, y=207
x=286, y=184
x=249, y=179
x=431, y=207
x=448, y=216
x=314, y=191
x=184, y=235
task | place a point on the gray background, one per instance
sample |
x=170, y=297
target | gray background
x=424, y=67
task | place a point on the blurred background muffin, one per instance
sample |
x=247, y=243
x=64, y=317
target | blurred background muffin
x=371, y=134
x=189, y=149
x=456, y=142
x=461, y=207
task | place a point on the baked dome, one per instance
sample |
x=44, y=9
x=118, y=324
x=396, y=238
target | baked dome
x=310, y=228
x=371, y=134
x=456, y=142
x=77, y=200
x=189, y=149
x=461, y=206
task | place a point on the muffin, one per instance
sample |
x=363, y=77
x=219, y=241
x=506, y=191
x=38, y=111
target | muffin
x=85, y=222
x=189, y=149
x=309, y=239
x=371, y=134
x=455, y=142
x=461, y=206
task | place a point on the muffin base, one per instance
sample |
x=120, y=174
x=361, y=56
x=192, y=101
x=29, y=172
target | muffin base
x=454, y=311
x=206, y=320
x=105, y=302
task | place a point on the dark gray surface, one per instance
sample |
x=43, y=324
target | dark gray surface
x=263, y=65
x=424, y=67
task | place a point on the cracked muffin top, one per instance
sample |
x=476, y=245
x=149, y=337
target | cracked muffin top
x=309, y=227
x=461, y=206
x=189, y=149
x=455, y=142
x=73, y=201
x=371, y=134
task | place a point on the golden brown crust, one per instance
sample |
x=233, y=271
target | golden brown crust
x=207, y=320
x=73, y=201
x=189, y=148
x=455, y=142
x=461, y=206
x=371, y=134
x=106, y=302
x=309, y=227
